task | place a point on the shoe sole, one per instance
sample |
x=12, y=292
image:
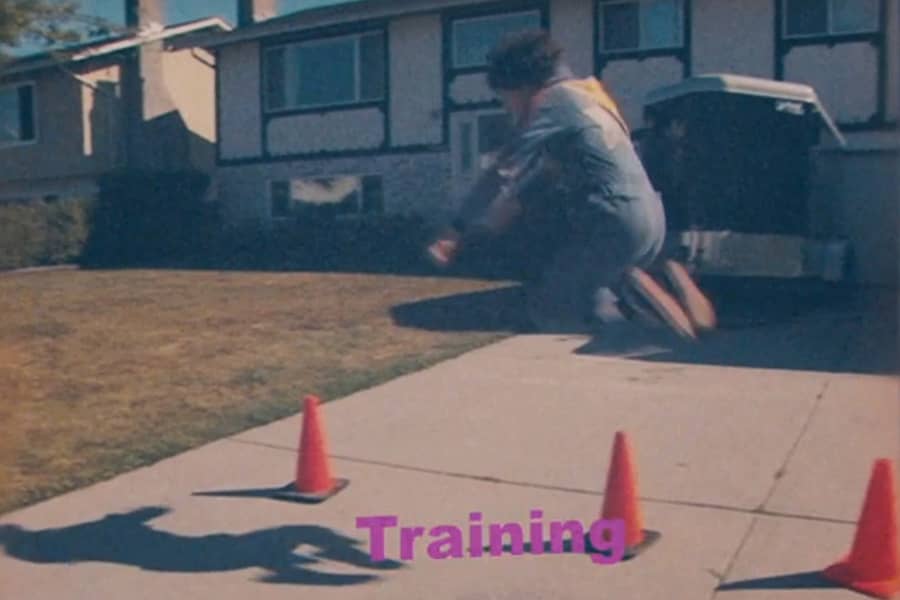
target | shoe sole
x=698, y=307
x=634, y=309
x=664, y=305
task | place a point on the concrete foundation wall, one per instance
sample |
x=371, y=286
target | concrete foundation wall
x=412, y=183
x=858, y=198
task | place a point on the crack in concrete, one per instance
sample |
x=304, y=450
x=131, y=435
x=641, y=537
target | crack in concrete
x=731, y=561
x=556, y=488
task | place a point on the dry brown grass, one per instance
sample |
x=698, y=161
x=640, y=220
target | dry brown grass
x=101, y=372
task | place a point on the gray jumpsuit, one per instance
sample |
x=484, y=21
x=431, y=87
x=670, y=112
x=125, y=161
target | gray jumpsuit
x=615, y=218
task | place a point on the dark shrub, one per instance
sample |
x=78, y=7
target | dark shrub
x=39, y=233
x=147, y=218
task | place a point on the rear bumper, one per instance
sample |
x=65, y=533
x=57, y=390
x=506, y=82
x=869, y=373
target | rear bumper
x=729, y=253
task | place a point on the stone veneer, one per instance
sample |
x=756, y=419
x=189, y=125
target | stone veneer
x=413, y=183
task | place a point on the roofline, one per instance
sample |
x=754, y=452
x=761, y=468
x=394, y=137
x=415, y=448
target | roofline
x=131, y=41
x=262, y=28
x=318, y=17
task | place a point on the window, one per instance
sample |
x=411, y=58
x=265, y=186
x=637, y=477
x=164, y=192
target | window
x=473, y=38
x=481, y=136
x=17, y=115
x=494, y=130
x=329, y=197
x=628, y=25
x=328, y=72
x=804, y=18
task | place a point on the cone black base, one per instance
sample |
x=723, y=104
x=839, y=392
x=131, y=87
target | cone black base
x=650, y=538
x=290, y=493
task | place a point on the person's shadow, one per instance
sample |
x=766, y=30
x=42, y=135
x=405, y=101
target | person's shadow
x=127, y=539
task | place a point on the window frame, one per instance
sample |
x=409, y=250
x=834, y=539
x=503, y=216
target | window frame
x=358, y=102
x=640, y=49
x=16, y=85
x=877, y=38
x=829, y=21
x=492, y=16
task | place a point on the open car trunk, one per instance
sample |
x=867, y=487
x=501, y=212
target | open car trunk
x=731, y=157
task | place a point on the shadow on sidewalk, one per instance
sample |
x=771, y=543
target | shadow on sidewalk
x=492, y=310
x=810, y=580
x=785, y=325
x=126, y=539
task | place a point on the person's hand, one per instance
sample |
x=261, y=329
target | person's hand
x=443, y=250
x=502, y=212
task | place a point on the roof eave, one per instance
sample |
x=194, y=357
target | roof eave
x=265, y=28
x=192, y=27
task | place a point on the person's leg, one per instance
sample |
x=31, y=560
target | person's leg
x=637, y=245
x=698, y=307
x=580, y=285
x=559, y=300
x=676, y=278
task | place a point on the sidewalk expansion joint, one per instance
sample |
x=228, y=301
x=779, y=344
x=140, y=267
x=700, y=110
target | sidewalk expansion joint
x=723, y=577
x=782, y=470
x=556, y=488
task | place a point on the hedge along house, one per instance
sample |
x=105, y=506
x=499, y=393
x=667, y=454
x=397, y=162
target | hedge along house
x=382, y=105
x=143, y=99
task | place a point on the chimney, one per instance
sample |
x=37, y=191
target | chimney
x=145, y=14
x=253, y=11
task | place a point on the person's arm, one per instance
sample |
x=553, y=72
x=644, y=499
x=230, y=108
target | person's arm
x=521, y=172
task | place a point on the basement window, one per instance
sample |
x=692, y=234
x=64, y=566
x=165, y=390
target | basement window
x=337, y=197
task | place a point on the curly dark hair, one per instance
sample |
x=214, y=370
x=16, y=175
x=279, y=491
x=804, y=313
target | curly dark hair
x=524, y=59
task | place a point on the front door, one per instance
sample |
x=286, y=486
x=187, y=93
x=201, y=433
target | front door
x=475, y=138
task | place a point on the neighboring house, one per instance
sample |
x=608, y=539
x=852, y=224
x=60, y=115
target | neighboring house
x=388, y=97
x=143, y=100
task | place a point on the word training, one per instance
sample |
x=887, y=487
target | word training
x=607, y=538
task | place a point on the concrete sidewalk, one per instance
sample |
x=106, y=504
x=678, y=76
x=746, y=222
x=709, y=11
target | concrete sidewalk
x=753, y=450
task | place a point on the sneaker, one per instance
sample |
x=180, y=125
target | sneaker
x=695, y=303
x=635, y=309
x=653, y=299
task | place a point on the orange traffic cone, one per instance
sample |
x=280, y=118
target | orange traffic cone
x=873, y=565
x=621, y=499
x=314, y=481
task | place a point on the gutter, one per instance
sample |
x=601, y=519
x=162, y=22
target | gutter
x=113, y=47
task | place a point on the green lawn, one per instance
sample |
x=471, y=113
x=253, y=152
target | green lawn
x=104, y=371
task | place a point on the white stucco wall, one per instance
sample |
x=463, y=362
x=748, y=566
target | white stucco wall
x=630, y=80
x=571, y=24
x=845, y=77
x=736, y=36
x=416, y=81
x=893, y=61
x=189, y=78
x=330, y=131
x=471, y=88
x=239, y=90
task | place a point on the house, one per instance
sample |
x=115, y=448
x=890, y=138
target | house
x=382, y=105
x=141, y=100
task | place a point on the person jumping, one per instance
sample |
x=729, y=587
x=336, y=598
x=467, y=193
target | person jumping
x=573, y=148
